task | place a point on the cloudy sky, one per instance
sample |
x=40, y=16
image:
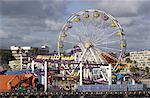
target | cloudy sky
x=38, y=22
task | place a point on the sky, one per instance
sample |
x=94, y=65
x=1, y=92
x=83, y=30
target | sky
x=39, y=22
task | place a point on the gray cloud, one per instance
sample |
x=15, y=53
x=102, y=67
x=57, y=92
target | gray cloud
x=32, y=8
x=137, y=34
x=124, y=8
x=35, y=22
x=24, y=21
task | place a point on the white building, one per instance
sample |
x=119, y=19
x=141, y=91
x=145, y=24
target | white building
x=23, y=52
x=17, y=51
x=141, y=57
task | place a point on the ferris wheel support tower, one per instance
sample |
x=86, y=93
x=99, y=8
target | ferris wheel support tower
x=96, y=34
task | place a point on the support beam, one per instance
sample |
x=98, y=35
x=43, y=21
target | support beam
x=93, y=55
x=133, y=82
x=79, y=60
x=81, y=73
x=32, y=66
x=29, y=64
x=75, y=57
x=20, y=61
x=82, y=55
x=104, y=78
x=109, y=75
x=45, y=76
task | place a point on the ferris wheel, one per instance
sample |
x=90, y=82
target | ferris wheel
x=97, y=34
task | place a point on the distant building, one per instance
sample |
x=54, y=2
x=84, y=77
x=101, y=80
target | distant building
x=25, y=52
x=141, y=57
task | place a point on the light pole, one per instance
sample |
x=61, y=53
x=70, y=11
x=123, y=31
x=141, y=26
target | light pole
x=45, y=76
x=20, y=54
x=20, y=61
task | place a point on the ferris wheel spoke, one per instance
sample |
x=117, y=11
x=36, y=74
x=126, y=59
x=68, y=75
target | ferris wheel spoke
x=87, y=26
x=103, y=32
x=73, y=37
x=97, y=36
x=95, y=29
x=84, y=29
x=79, y=34
x=108, y=42
x=97, y=24
x=100, y=25
x=94, y=33
x=107, y=48
x=105, y=38
x=98, y=28
x=74, y=43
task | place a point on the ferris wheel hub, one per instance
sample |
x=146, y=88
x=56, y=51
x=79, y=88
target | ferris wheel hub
x=88, y=45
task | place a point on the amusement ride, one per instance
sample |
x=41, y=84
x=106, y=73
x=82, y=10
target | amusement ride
x=91, y=49
x=96, y=40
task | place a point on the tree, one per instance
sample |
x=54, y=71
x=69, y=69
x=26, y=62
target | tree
x=127, y=54
x=34, y=50
x=128, y=60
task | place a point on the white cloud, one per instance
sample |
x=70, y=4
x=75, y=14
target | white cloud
x=123, y=8
x=125, y=21
x=53, y=25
